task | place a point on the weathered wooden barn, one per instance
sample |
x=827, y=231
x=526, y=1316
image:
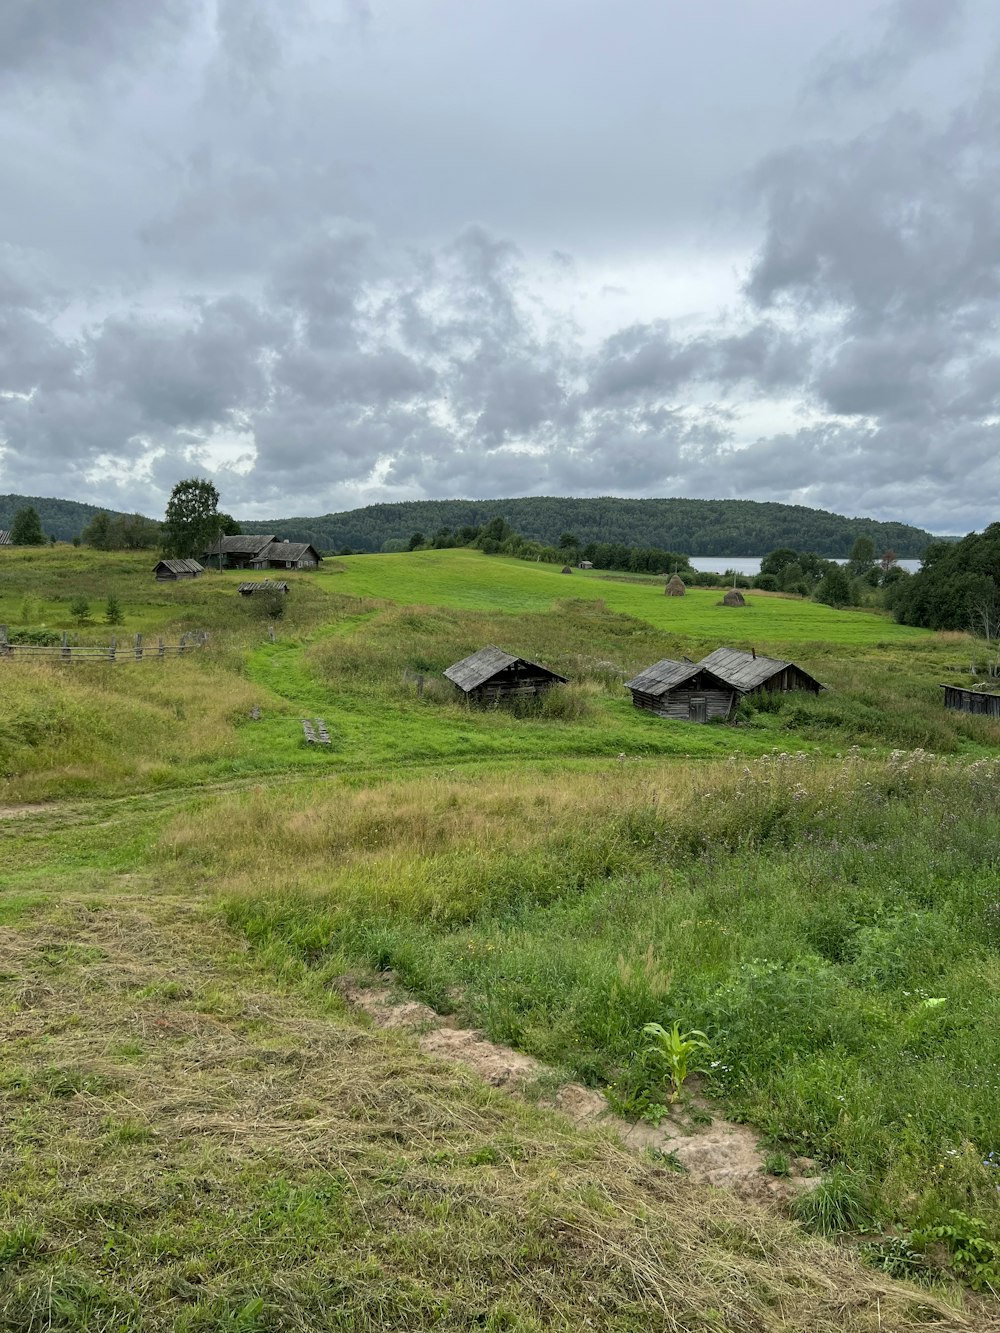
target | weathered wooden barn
x=287, y=555
x=262, y=586
x=734, y=598
x=749, y=672
x=168, y=571
x=675, y=588
x=985, y=703
x=491, y=675
x=238, y=551
x=684, y=691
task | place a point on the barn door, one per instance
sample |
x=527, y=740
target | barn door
x=698, y=709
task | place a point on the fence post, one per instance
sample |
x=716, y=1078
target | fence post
x=138, y=647
x=161, y=650
x=65, y=645
x=4, y=641
x=270, y=633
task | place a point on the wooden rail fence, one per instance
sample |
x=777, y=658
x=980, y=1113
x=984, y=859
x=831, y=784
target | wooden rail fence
x=136, y=651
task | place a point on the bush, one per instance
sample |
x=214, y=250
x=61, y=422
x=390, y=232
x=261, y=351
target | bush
x=839, y=1203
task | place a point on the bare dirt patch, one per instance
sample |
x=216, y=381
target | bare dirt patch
x=711, y=1149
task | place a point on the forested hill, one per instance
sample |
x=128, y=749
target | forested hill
x=62, y=519
x=696, y=527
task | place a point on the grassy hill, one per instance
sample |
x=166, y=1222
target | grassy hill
x=200, y=1136
x=62, y=519
x=696, y=527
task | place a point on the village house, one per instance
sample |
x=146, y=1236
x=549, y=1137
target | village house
x=749, y=672
x=491, y=674
x=684, y=691
x=252, y=550
x=171, y=570
x=287, y=555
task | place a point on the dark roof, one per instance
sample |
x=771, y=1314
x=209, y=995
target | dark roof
x=264, y=585
x=179, y=566
x=480, y=667
x=667, y=675
x=241, y=543
x=286, y=550
x=744, y=671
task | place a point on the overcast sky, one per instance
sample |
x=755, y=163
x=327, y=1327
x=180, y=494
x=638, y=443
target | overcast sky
x=329, y=252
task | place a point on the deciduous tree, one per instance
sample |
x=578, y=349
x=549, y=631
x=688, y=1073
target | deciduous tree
x=191, y=524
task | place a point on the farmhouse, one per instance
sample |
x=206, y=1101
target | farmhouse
x=287, y=555
x=685, y=691
x=675, y=588
x=263, y=586
x=238, y=551
x=171, y=570
x=749, y=672
x=984, y=702
x=491, y=674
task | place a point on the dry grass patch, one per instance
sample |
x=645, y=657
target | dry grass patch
x=186, y=1148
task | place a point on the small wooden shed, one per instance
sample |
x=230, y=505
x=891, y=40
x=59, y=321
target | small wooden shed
x=984, y=702
x=586, y=564
x=492, y=674
x=675, y=588
x=171, y=570
x=734, y=598
x=749, y=672
x=684, y=691
x=262, y=586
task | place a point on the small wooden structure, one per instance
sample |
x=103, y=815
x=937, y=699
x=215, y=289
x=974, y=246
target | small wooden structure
x=315, y=732
x=238, y=551
x=586, y=564
x=675, y=588
x=168, y=571
x=749, y=672
x=287, y=555
x=734, y=598
x=262, y=586
x=491, y=674
x=984, y=702
x=566, y=570
x=684, y=691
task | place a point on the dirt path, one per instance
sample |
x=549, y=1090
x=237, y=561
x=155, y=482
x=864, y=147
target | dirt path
x=712, y=1150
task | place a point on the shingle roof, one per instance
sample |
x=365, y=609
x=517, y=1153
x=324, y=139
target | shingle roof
x=744, y=671
x=264, y=585
x=480, y=667
x=664, y=676
x=241, y=543
x=181, y=566
x=287, y=551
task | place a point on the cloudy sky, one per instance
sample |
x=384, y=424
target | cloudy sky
x=330, y=252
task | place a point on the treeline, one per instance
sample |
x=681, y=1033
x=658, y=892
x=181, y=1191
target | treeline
x=60, y=519
x=497, y=537
x=957, y=587
x=699, y=527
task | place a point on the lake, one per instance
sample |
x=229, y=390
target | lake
x=750, y=564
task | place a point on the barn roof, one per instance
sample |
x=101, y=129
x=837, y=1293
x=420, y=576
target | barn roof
x=744, y=671
x=263, y=585
x=179, y=566
x=480, y=667
x=664, y=676
x=287, y=550
x=241, y=543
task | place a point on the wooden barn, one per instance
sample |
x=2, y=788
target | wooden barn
x=984, y=702
x=168, y=571
x=675, y=588
x=734, y=598
x=238, y=551
x=262, y=586
x=749, y=672
x=491, y=675
x=684, y=691
x=586, y=564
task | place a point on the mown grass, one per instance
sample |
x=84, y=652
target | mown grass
x=803, y=913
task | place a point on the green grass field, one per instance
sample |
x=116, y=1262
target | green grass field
x=196, y=1136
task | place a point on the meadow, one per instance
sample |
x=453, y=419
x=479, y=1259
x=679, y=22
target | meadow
x=183, y=883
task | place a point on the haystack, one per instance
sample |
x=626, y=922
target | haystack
x=734, y=598
x=566, y=569
x=675, y=588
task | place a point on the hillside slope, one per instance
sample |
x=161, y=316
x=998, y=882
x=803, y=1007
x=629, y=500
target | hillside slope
x=697, y=527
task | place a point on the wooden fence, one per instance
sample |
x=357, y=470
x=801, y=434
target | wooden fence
x=134, y=651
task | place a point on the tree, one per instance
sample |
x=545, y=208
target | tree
x=777, y=560
x=79, y=608
x=862, y=557
x=835, y=588
x=98, y=532
x=191, y=524
x=113, y=610
x=416, y=540
x=26, y=530
x=888, y=559
x=568, y=541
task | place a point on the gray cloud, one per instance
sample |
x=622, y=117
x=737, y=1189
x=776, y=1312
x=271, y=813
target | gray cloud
x=912, y=30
